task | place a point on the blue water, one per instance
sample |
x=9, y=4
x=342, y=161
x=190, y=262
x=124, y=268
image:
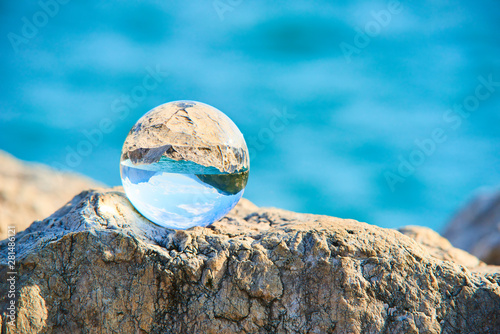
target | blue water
x=323, y=130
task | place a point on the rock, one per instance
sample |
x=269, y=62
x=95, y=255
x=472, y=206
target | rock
x=440, y=247
x=187, y=131
x=31, y=191
x=97, y=266
x=476, y=227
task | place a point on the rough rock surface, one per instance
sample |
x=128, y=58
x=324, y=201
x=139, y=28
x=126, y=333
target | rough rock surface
x=32, y=191
x=97, y=266
x=440, y=247
x=476, y=228
x=187, y=131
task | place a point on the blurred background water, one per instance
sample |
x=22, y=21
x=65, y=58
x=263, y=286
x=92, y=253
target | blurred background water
x=74, y=85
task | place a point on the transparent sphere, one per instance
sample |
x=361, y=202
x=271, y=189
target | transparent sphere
x=184, y=164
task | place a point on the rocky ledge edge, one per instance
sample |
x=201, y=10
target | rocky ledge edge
x=97, y=266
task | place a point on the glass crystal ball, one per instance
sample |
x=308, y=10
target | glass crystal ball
x=184, y=164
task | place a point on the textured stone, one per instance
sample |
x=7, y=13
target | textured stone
x=31, y=191
x=476, y=227
x=97, y=266
x=190, y=131
x=440, y=247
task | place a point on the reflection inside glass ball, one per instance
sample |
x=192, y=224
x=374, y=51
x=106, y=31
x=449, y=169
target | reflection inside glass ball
x=184, y=164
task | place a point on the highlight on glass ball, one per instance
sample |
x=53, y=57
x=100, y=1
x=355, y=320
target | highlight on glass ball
x=184, y=164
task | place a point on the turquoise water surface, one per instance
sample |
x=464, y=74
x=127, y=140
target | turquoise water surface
x=347, y=111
